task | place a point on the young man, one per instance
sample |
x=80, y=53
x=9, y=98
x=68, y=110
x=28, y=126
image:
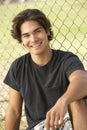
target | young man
x=51, y=82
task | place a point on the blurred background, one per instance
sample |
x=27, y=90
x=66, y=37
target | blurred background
x=69, y=23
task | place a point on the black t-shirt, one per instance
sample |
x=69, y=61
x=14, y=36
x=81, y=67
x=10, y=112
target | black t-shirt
x=39, y=86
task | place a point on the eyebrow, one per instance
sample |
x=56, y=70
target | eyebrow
x=33, y=31
x=37, y=28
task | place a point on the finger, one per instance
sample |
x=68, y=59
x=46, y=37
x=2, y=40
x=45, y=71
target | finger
x=56, y=122
x=52, y=119
x=47, y=121
x=60, y=121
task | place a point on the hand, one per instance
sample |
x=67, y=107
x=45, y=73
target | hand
x=55, y=116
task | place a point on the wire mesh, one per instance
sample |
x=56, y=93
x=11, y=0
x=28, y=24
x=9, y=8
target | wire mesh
x=69, y=23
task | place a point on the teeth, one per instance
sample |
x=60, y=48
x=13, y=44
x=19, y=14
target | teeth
x=36, y=45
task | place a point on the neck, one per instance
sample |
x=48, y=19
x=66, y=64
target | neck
x=43, y=59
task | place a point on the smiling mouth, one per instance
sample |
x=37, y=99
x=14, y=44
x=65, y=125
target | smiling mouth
x=36, y=45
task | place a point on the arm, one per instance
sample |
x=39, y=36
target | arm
x=76, y=90
x=14, y=110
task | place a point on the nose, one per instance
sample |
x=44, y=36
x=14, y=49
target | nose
x=32, y=38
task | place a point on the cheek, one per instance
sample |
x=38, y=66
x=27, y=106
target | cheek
x=26, y=46
x=25, y=41
x=44, y=36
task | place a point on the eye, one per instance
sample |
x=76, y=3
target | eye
x=26, y=36
x=39, y=30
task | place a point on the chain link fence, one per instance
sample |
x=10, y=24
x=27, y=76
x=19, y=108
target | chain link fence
x=69, y=21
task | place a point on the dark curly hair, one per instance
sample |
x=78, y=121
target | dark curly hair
x=30, y=14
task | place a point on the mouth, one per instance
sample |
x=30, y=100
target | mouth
x=36, y=46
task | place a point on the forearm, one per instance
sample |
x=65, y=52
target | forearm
x=76, y=90
x=12, y=120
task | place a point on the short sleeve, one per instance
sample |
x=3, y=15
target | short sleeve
x=10, y=78
x=72, y=63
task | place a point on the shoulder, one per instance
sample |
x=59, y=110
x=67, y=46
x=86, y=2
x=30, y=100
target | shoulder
x=64, y=54
x=20, y=63
x=21, y=60
x=69, y=60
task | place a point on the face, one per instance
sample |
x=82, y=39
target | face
x=34, y=37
